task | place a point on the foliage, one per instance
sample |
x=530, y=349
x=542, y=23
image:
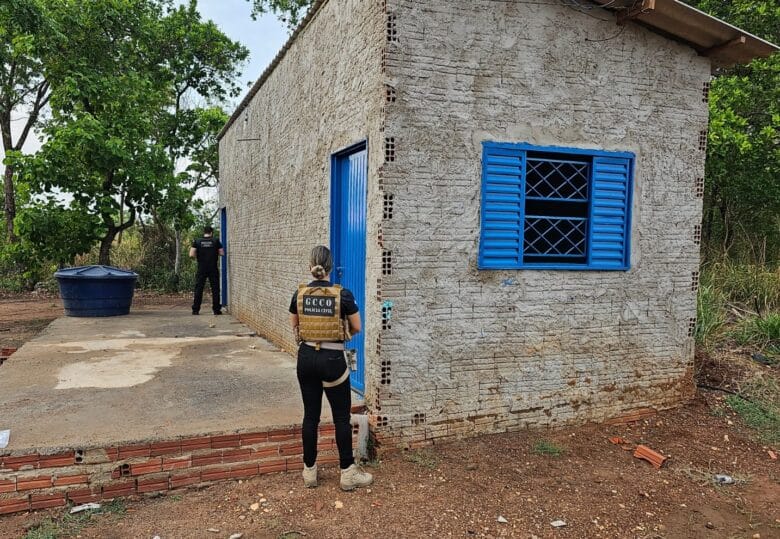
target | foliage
x=710, y=314
x=425, y=458
x=289, y=11
x=742, y=194
x=747, y=285
x=763, y=332
x=759, y=408
x=548, y=448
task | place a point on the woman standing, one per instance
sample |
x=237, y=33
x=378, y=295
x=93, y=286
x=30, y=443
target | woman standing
x=323, y=316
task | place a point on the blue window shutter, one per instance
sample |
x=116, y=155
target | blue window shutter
x=503, y=207
x=610, y=213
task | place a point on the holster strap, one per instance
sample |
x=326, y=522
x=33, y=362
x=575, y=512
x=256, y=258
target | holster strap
x=325, y=345
x=338, y=381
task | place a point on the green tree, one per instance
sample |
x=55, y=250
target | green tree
x=25, y=31
x=742, y=191
x=289, y=11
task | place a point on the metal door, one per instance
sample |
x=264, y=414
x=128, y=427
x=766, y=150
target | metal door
x=224, y=240
x=349, y=170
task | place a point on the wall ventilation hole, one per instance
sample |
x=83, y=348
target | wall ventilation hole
x=392, y=28
x=79, y=456
x=695, y=281
x=381, y=421
x=388, y=207
x=703, y=140
x=699, y=187
x=124, y=470
x=379, y=289
x=379, y=345
x=389, y=149
x=705, y=92
x=697, y=234
x=691, y=326
x=385, y=373
x=387, y=314
x=418, y=419
x=390, y=94
x=387, y=263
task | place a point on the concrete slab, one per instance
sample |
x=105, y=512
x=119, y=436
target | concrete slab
x=151, y=375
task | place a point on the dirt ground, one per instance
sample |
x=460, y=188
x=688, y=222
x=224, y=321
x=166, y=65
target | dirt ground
x=461, y=488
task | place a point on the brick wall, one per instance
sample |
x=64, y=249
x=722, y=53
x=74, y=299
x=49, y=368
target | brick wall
x=471, y=351
x=324, y=95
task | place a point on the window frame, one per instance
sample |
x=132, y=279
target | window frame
x=591, y=154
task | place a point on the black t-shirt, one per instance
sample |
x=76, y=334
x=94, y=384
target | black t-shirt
x=348, y=305
x=207, y=253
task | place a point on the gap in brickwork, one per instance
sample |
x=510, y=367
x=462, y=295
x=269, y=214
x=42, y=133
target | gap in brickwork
x=389, y=149
x=385, y=373
x=691, y=327
x=387, y=262
x=379, y=289
x=705, y=92
x=695, y=281
x=379, y=344
x=697, y=234
x=388, y=206
x=392, y=28
x=703, y=140
x=699, y=187
x=418, y=419
x=381, y=421
x=390, y=94
x=387, y=312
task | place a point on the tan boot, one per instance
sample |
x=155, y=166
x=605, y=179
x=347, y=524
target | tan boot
x=310, y=476
x=353, y=477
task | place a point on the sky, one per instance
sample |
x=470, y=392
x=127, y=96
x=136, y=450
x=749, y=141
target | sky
x=263, y=37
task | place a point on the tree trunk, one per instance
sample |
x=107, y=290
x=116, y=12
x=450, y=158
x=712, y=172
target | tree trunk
x=177, y=258
x=10, y=203
x=105, y=247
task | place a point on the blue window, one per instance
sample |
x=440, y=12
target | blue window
x=555, y=208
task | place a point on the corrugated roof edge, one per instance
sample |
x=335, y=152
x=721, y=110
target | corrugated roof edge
x=270, y=69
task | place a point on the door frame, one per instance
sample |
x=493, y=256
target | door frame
x=335, y=224
x=223, y=233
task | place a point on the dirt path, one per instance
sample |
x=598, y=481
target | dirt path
x=460, y=489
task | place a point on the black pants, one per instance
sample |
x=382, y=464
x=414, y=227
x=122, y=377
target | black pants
x=314, y=367
x=200, y=282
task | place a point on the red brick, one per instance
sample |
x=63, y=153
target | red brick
x=228, y=440
x=84, y=495
x=8, y=486
x=139, y=450
x=112, y=453
x=155, y=484
x=327, y=429
x=149, y=466
x=253, y=438
x=14, y=463
x=265, y=452
x=207, y=459
x=183, y=480
x=116, y=473
x=33, y=483
x=70, y=480
x=176, y=463
x=279, y=465
x=294, y=463
x=53, y=461
x=236, y=455
x=324, y=445
x=291, y=449
x=215, y=474
x=328, y=459
x=165, y=448
x=243, y=470
x=282, y=435
x=193, y=444
x=14, y=505
x=115, y=490
x=44, y=501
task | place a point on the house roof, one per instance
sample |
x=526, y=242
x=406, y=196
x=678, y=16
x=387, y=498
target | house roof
x=724, y=44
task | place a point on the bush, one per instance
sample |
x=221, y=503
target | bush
x=710, y=314
x=747, y=285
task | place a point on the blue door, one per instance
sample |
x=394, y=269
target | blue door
x=223, y=239
x=348, y=237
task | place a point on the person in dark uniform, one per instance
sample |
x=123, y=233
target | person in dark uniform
x=323, y=316
x=206, y=251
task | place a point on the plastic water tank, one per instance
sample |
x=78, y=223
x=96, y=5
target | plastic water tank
x=96, y=290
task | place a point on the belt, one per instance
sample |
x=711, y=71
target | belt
x=325, y=345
